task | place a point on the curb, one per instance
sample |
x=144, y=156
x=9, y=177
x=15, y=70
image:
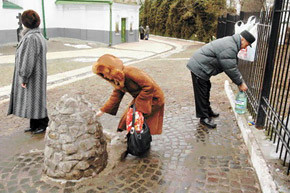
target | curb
x=185, y=40
x=266, y=180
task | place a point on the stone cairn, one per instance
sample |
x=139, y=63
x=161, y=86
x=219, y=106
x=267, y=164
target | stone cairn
x=75, y=144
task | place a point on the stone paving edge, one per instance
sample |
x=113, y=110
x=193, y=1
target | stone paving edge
x=266, y=180
x=172, y=38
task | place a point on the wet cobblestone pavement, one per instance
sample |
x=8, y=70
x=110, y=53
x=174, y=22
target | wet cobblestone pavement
x=185, y=158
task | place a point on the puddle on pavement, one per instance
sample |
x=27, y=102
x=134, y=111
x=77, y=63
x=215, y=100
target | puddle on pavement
x=19, y=142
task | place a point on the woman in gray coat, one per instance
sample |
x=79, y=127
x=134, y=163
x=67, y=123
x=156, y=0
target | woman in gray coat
x=28, y=93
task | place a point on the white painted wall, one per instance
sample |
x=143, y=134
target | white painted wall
x=86, y=16
x=130, y=12
x=8, y=19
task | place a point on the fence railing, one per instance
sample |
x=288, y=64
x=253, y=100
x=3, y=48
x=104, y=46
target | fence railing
x=268, y=77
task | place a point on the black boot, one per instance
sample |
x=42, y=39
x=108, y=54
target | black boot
x=207, y=122
x=29, y=130
x=39, y=130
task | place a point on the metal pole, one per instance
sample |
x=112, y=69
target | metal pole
x=110, y=35
x=20, y=28
x=261, y=116
x=43, y=18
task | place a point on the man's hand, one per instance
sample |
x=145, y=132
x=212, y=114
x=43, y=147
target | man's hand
x=23, y=85
x=243, y=87
x=99, y=113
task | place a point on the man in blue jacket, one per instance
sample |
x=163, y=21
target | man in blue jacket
x=211, y=59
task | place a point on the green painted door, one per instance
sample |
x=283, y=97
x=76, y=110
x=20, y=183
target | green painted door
x=123, y=30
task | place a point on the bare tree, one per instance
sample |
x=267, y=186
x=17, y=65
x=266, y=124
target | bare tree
x=252, y=5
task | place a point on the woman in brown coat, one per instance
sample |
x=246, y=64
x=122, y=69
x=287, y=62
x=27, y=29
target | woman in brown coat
x=148, y=96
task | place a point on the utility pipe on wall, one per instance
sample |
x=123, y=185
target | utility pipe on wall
x=43, y=18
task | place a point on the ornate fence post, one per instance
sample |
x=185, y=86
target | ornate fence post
x=19, y=29
x=266, y=86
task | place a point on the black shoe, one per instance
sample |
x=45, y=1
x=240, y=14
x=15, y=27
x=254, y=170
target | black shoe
x=213, y=114
x=119, y=130
x=207, y=122
x=38, y=131
x=29, y=130
x=124, y=155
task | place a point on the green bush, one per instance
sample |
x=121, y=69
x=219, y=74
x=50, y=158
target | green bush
x=188, y=19
x=161, y=17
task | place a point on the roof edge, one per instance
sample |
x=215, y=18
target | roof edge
x=10, y=5
x=61, y=2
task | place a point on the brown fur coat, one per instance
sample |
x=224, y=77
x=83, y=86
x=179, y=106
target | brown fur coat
x=148, y=96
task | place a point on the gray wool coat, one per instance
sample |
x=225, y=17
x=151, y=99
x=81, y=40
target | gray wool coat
x=30, y=68
x=216, y=57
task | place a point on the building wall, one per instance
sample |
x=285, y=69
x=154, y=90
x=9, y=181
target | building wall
x=81, y=21
x=128, y=12
x=8, y=24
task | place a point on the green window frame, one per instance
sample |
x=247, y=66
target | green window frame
x=10, y=5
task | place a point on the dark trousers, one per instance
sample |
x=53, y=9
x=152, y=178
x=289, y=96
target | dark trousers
x=146, y=36
x=39, y=123
x=201, y=90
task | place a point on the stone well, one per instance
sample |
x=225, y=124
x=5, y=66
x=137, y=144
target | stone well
x=75, y=144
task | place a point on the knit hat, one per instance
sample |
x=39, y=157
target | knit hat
x=30, y=19
x=248, y=36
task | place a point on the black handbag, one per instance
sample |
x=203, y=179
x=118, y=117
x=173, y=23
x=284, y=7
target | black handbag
x=138, y=143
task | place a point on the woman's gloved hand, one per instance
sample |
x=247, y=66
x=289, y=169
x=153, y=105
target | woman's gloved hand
x=100, y=113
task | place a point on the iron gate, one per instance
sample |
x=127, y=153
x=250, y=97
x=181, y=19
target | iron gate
x=268, y=77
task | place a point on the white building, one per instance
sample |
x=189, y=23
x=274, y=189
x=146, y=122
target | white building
x=106, y=21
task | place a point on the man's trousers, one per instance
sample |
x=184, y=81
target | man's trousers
x=201, y=90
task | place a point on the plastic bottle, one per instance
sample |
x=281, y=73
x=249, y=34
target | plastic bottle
x=241, y=103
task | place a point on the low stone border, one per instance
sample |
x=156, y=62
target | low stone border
x=266, y=180
x=179, y=39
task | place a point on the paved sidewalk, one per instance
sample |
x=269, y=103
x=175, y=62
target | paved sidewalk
x=185, y=158
x=127, y=52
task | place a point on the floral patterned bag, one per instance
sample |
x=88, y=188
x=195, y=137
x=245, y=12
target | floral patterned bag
x=139, y=120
